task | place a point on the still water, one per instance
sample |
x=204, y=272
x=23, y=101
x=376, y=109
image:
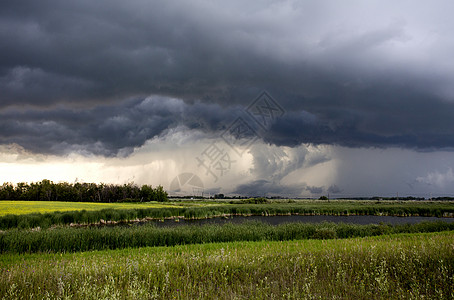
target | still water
x=276, y=220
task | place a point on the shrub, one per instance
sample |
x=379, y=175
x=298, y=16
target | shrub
x=324, y=233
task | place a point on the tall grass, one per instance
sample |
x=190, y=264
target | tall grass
x=86, y=239
x=390, y=267
x=432, y=209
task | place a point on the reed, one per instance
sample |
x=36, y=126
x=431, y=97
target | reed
x=87, y=239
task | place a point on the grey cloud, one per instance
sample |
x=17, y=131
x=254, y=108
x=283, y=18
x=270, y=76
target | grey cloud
x=417, y=124
x=139, y=48
x=334, y=189
x=20, y=84
x=276, y=162
x=315, y=189
x=107, y=130
x=373, y=76
x=113, y=129
x=265, y=188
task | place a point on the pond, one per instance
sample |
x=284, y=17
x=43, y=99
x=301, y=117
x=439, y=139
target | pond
x=276, y=220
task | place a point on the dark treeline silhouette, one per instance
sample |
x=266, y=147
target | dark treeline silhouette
x=47, y=190
x=383, y=198
x=399, y=198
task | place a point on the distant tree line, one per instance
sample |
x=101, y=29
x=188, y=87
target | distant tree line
x=47, y=190
x=396, y=198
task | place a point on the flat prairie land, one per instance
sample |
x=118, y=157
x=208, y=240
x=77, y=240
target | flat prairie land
x=28, y=207
x=400, y=266
x=231, y=261
x=281, y=206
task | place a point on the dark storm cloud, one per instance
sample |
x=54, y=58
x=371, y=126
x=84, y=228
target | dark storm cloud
x=86, y=52
x=422, y=126
x=365, y=75
x=107, y=130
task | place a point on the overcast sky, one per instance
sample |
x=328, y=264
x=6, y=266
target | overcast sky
x=291, y=98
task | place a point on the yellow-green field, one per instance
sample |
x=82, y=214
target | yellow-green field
x=27, y=207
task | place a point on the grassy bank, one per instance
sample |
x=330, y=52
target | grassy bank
x=86, y=239
x=404, y=266
x=201, y=209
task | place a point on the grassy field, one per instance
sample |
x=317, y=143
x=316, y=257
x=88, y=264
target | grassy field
x=28, y=207
x=246, y=261
x=403, y=266
x=334, y=206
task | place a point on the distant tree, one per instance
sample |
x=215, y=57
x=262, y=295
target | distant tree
x=7, y=192
x=22, y=190
x=34, y=192
x=160, y=194
x=65, y=192
x=323, y=198
x=146, y=193
x=46, y=190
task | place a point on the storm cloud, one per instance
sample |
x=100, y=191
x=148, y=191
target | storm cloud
x=371, y=75
x=106, y=77
x=108, y=130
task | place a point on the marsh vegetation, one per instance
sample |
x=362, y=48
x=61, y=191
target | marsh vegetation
x=42, y=257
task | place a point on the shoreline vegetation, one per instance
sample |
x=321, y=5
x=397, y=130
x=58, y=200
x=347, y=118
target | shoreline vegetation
x=140, y=212
x=66, y=239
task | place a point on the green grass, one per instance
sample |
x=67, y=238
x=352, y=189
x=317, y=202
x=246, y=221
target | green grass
x=29, y=207
x=277, y=206
x=248, y=261
x=404, y=266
